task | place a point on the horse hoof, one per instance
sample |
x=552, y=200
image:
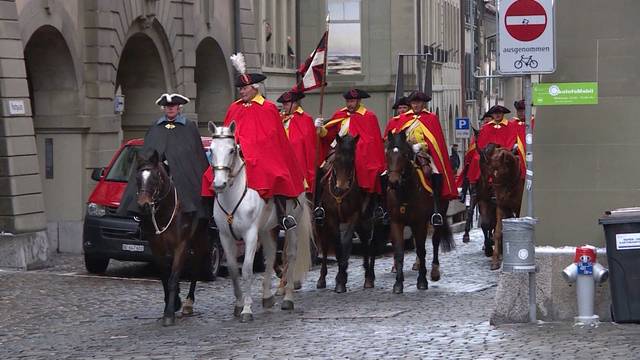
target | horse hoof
x=435, y=273
x=422, y=284
x=297, y=285
x=466, y=238
x=393, y=269
x=280, y=291
x=268, y=302
x=341, y=288
x=287, y=305
x=168, y=321
x=245, y=318
x=495, y=265
x=397, y=288
x=187, y=310
x=368, y=284
x=488, y=250
x=321, y=284
x=237, y=311
x=416, y=266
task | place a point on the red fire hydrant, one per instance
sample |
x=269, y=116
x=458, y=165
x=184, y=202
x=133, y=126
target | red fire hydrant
x=586, y=272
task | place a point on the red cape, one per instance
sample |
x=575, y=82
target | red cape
x=370, y=161
x=504, y=134
x=521, y=131
x=392, y=125
x=303, y=139
x=437, y=148
x=263, y=141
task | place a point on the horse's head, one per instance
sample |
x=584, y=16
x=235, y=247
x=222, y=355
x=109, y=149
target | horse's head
x=344, y=163
x=501, y=164
x=224, y=155
x=398, y=154
x=151, y=177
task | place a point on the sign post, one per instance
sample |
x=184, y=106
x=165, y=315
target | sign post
x=526, y=45
x=462, y=128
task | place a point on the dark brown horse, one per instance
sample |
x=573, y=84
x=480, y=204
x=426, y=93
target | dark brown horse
x=499, y=194
x=347, y=209
x=410, y=204
x=173, y=234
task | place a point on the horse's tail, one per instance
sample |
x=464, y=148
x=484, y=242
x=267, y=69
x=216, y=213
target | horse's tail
x=304, y=233
x=443, y=233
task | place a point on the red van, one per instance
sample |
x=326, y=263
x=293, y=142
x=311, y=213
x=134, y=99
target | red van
x=108, y=235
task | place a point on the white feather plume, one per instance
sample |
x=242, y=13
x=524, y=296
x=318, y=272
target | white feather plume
x=238, y=62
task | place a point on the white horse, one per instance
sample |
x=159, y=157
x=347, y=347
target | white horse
x=241, y=213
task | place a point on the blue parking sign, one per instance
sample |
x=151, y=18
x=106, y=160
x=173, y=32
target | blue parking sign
x=462, y=123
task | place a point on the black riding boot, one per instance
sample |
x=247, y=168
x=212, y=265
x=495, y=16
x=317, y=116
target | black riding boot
x=286, y=222
x=318, y=210
x=436, y=185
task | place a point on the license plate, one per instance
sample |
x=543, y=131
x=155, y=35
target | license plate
x=130, y=247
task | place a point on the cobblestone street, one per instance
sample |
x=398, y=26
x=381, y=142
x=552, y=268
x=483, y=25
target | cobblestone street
x=61, y=312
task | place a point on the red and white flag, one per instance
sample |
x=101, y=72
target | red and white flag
x=311, y=72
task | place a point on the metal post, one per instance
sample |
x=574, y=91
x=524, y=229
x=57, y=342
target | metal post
x=419, y=50
x=529, y=185
x=529, y=144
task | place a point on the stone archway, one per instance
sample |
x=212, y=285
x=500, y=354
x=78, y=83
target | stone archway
x=213, y=86
x=141, y=78
x=55, y=101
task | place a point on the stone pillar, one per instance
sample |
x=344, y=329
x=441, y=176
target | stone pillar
x=23, y=240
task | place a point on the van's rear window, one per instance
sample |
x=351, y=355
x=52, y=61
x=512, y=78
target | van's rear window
x=123, y=165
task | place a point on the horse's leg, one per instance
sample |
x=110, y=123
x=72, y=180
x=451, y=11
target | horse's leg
x=345, y=240
x=397, y=240
x=269, y=250
x=419, y=232
x=251, y=247
x=497, y=240
x=187, y=306
x=325, y=235
x=365, y=231
x=174, y=303
x=435, y=264
x=231, y=252
x=291, y=251
x=486, y=225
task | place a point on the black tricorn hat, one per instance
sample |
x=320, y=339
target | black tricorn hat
x=403, y=100
x=419, y=96
x=498, y=109
x=172, y=99
x=248, y=79
x=356, y=94
x=519, y=105
x=289, y=96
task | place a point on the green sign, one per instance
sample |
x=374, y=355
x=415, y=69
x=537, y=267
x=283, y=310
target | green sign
x=583, y=93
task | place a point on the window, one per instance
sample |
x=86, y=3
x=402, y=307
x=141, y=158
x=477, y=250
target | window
x=345, y=48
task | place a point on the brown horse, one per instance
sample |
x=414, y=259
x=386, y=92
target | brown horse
x=172, y=233
x=410, y=204
x=499, y=194
x=347, y=209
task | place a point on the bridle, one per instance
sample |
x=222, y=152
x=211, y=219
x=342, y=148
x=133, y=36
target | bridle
x=155, y=200
x=229, y=168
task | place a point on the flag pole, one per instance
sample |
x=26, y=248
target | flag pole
x=324, y=66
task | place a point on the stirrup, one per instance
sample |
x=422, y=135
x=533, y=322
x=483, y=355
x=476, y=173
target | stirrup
x=436, y=219
x=379, y=213
x=288, y=223
x=318, y=213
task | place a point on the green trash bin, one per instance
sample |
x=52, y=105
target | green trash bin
x=622, y=234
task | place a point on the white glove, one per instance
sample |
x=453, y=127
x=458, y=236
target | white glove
x=318, y=122
x=416, y=148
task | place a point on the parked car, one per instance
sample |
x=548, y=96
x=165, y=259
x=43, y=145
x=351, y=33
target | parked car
x=108, y=235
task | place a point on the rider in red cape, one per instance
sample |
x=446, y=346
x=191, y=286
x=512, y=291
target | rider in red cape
x=519, y=123
x=271, y=171
x=356, y=120
x=425, y=132
x=401, y=106
x=499, y=131
x=301, y=132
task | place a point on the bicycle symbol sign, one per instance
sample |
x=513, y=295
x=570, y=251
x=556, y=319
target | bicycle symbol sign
x=526, y=36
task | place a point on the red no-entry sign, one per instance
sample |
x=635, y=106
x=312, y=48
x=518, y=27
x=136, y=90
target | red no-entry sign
x=525, y=20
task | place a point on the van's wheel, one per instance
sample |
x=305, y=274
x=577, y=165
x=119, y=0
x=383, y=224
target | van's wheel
x=216, y=258
x=95, y=264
